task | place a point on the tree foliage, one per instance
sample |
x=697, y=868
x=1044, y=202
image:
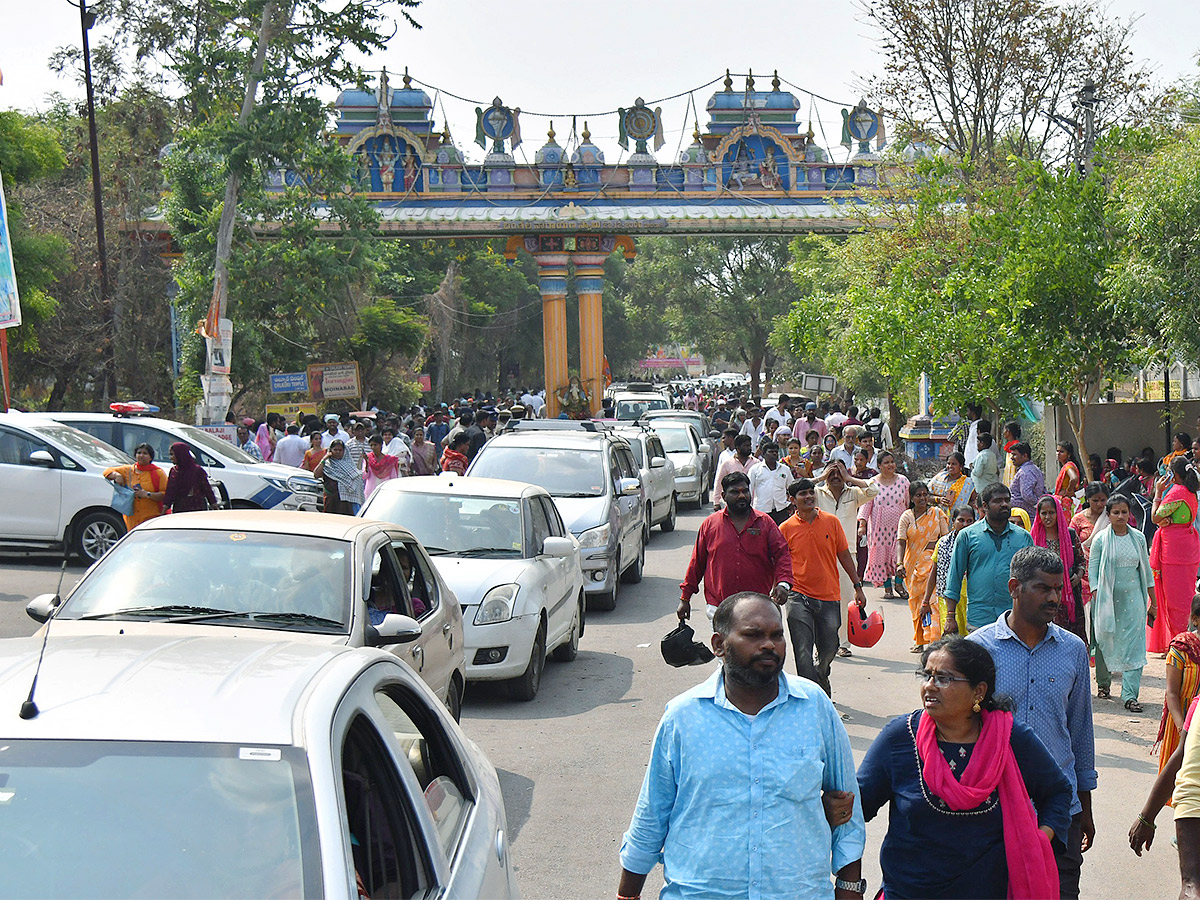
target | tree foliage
x=982, y=77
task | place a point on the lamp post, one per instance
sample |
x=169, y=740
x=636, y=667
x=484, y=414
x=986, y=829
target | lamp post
x=87, y=19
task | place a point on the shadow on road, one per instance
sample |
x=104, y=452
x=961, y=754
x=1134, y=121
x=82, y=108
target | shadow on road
x=517, y=791
x=568, y=689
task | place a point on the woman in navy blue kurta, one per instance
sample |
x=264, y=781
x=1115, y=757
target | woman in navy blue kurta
x=931, y=850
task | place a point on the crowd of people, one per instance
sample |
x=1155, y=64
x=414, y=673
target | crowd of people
x=1016, y=590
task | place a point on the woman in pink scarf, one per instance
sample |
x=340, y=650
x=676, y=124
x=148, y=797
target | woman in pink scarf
x=378, y=466
x=958, y=776
x=1051, y=530
x=1174, y=553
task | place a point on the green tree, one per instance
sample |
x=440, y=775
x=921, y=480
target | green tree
x=722, y=295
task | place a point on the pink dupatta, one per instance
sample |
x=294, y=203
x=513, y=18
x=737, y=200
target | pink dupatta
x=1032, y=873
x=1065, y=551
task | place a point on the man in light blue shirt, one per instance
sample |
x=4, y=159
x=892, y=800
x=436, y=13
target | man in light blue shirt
x=982, y=553
x=731, y=803
x=986, y=468
x=1044, y=669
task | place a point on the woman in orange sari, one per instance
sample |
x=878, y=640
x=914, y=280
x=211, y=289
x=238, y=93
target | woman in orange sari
x=148, y=481
x=1069, y=476
x=315, y=453
x=917, y=535
x=1183, y=684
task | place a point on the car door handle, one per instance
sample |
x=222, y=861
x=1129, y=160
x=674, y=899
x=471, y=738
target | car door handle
x=446, y=628
x=500, y=847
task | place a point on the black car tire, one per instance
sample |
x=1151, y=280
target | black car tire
x=634, y=573
x=608, y=600
x=95, y=533
x=566, y=652
x=525, y=686
x=668, y=524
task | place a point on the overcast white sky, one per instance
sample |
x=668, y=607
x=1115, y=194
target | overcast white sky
x=589, y=57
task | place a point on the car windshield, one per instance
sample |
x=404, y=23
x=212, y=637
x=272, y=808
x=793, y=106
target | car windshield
x=635, y=409
x=214, y=444
x=478, y=526
x=675, y=440
x=184, y=574
x=142, y=819
x=78, y=443
x=562, y=472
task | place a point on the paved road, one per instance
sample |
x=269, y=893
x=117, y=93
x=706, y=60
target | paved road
x=571, y=761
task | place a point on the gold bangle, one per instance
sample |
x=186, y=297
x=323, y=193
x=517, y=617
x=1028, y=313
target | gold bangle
x=1148, y=824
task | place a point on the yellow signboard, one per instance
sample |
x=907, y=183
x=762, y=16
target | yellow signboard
x=291, y=410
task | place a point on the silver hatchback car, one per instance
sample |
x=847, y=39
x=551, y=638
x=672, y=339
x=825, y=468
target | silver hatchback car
x=238, y=767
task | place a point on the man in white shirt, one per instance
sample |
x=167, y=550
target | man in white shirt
x=843, y=495
x=728, y=436
x=844, y=452
x=289, y=450
x=754, y=425
x=333, y=431
x=835, y=419
x=768, y=485
x=879, y=429
x=971, y=442
x=779, y=412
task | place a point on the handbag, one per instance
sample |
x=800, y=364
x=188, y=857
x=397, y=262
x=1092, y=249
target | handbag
x=122, y=499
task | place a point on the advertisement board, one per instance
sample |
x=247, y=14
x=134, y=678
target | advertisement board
x=289, y=383
x=220, y=348
x=426, y=383
x=333, y=381
x=290, y=410
x=10, y=303
x=224, y=432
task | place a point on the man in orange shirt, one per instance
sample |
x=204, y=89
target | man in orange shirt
x=818, y=545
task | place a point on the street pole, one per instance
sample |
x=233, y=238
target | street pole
x=108, y=346
x=1088, y=101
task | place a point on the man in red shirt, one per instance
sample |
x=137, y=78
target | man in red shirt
x=818, y=545
x=737, y=549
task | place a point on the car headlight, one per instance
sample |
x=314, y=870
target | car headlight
x=497, y=605
x=595, y=537
x=686, y=472
x=304, y=485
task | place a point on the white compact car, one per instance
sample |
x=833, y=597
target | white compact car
x=157, y=766
x=657, y=474
x=299, y=576
x=515, y=568
x=251, y=483
x=55, y=494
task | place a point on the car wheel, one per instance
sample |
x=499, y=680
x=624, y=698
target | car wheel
x=95, y=534
x=668, y=524
x=525, y=686
x=634, y=573
x=608, y=601
x=704, y=497
x=647, y=525
x=454, y=698
x=566, y=652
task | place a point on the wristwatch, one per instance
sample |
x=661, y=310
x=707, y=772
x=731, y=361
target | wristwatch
x=857, y=585
x=859, y=887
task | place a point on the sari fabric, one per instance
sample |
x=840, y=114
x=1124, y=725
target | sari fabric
x=918, y=534
x=1174, y=555
x=379, y=469
x=1183, y=654
x=1066, y=551
x=1062, y=487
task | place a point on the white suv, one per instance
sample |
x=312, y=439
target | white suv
x=55, y=494
x=251, y=483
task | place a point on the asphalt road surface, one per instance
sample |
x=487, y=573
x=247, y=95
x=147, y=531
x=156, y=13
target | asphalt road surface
x=571, y=761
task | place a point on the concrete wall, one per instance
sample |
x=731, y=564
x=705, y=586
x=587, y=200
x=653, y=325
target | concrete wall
x=1129, y=426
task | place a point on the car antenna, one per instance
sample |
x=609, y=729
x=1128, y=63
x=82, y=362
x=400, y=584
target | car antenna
x=29, y=709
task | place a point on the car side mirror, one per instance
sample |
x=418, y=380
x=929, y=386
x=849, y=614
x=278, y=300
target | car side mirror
x=394, y=629
x=658, y=462
x=43, y=606
x=558, y=547
x=628, y=486
x=41, y=458
x=715, y=435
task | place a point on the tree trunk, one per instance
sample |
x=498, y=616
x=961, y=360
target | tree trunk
x=220, y=297
x=756, y=361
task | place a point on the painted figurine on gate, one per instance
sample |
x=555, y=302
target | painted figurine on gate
x=574, y=400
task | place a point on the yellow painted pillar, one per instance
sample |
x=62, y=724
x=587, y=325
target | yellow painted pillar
x=589, y=286
x=552, y=282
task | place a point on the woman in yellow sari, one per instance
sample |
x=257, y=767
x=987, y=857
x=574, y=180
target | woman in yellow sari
x=149, y=484
x=916, y=537
x=952, y=487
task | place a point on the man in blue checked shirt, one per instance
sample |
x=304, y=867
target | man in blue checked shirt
x=732, y=800
x=1044, y=669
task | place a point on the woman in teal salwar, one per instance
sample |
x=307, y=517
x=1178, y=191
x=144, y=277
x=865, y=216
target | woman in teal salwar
x=1122, y=600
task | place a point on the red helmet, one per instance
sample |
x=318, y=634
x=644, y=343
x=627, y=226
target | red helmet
x=864, y=630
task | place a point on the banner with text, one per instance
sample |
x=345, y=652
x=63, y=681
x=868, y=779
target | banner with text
x=333, y=381
x=290, y=410
x=10, y=302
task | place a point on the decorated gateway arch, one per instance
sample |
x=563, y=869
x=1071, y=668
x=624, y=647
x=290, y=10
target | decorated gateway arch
x=750, y=171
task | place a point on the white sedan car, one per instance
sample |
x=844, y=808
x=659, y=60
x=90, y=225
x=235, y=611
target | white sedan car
x=504, y=551
x=237, y=767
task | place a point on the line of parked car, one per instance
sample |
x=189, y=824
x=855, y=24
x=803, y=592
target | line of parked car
x=251, y=618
